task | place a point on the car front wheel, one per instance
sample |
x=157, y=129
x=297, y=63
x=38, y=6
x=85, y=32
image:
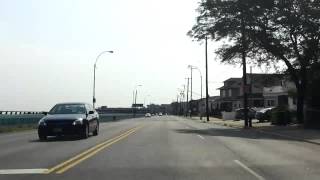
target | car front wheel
x=42, y=137
x=85, y=133
x=96, y=131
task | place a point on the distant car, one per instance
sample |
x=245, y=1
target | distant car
x=69, y=119
x=147, y=115
x=240, y=113
x=264, y=114
x=160, y=114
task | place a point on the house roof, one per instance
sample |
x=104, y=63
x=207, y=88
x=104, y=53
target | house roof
x=266, y=80
x=231, y=83
x=233, y=79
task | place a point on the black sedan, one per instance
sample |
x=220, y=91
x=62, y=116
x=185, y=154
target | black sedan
x=69, y=119
x=240, y=113
x=264, y=114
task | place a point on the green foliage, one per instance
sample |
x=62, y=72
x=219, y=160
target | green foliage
x=281, y=116
x=286, y=30
x=267, y=32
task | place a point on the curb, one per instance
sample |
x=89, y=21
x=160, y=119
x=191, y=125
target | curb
x=270, y=133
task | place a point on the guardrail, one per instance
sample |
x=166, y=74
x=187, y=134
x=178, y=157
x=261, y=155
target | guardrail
x=27, y=117
x=19, y=112
x=19, y=119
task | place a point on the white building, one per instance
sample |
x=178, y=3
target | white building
x=280, y=95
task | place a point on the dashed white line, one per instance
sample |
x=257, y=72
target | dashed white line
x=200, y=136
x=249, y=170
x=22, y=171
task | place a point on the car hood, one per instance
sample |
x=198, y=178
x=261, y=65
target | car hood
x=265, y=110
x=52, y=117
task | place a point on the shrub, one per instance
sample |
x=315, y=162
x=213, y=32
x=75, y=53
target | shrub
x=280, y=116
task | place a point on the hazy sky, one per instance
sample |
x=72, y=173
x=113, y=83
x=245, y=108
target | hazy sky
x=48, y=48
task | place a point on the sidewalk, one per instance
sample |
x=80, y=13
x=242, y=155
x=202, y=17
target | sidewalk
x=295, y=132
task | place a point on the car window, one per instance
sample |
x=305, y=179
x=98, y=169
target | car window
x=68, y=109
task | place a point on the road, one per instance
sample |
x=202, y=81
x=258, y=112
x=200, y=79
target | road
x=164, y=147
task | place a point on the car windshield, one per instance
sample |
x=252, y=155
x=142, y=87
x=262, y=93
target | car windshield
x=68, y=109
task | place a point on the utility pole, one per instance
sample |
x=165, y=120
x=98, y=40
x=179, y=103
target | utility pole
x=250, y=91
x=207, y=94
x=182, y=100
x=244, y=75
x=132, y=106
x=178, y=106
x=187, y=97
x=191, y=84
x=135, y=103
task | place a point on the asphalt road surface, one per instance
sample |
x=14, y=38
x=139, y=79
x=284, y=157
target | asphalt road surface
x=163, y=148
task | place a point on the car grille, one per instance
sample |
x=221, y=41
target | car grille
x=59, y=123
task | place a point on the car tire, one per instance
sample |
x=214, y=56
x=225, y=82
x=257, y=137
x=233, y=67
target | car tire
x=96, y=131
x=85, y=133
x=42, y=137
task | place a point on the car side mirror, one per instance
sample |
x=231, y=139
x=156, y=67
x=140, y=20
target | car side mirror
x=91, y=112
x=44, y=113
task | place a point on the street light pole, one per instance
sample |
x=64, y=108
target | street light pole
x=195, y=67
x=135, y=94
x=191, y=85
x=94, y=77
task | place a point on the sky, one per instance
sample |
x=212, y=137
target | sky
x=48, y=49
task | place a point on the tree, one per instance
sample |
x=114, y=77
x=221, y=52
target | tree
x=269, y=31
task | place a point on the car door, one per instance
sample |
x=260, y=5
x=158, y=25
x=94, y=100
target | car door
x=95, y=117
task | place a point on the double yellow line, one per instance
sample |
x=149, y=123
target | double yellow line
x=64, y=166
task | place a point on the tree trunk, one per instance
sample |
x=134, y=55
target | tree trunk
x=300, y=104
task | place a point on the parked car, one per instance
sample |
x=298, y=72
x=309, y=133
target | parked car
x=240, y=113
x=160, y=113
x=264, y=114
x=69, y=119
x=147, y=115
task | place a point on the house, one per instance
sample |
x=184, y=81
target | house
x=280, y=95
x=212, y=103
x=231, y=93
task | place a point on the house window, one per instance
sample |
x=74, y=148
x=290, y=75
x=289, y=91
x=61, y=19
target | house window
x=223, y=93
x=230, y=92
x=270, y=103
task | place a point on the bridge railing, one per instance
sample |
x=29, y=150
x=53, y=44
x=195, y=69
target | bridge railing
x=19, y=112
x=32, y=117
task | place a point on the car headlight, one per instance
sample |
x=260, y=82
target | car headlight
x=42, y=122
x=78, y=122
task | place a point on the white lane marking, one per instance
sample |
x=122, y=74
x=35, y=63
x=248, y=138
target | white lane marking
x=23, y=171
x=249, y=170
x=200, y=136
